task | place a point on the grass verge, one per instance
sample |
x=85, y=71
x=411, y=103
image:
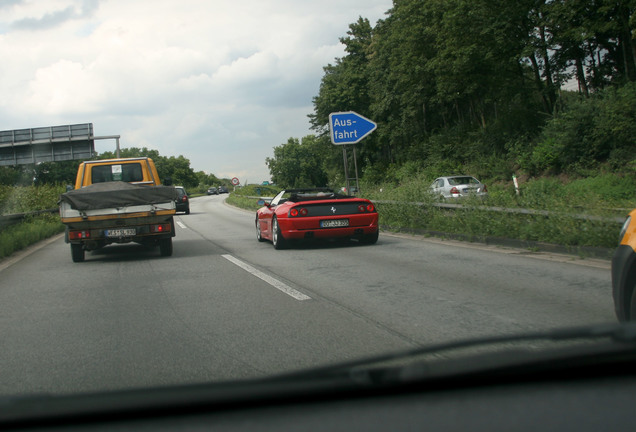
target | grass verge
x=245, y=196
x=30, y=231
x=562, y=217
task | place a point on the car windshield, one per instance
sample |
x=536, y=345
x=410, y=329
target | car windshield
x=119, y=172
x=123, y=286
x=456, y=181
x=310, y=194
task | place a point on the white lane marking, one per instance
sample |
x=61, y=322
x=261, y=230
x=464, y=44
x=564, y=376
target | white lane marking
x=181, y=225
x=267, y=278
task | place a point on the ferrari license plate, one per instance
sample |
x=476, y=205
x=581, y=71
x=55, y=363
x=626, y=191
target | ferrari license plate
x=334, y=223
x=124, y=232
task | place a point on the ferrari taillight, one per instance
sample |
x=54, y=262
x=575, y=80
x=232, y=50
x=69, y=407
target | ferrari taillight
x=298, y=212
x=368, y=208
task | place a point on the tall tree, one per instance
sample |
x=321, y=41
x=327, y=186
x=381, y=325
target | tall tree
x=299, y=164
x=344, y=87
x=458, y=80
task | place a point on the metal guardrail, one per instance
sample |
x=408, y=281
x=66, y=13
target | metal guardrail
x=513, y=211
x=523, y=211
x=13, y=219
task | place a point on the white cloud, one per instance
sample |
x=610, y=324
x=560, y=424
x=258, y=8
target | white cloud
x=220, y=82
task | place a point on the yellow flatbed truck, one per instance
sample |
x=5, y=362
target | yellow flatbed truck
x=118, y=201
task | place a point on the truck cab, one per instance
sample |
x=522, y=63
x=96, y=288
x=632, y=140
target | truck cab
x=139, y=171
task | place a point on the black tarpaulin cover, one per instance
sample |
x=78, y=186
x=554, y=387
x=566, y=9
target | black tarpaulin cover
x=116, y=195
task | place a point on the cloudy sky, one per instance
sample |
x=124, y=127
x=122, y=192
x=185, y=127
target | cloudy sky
x=221, y=82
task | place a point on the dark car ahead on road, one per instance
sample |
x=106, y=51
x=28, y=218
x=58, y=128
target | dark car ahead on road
x=182, y=202
x=223, y=189
x=213, y=191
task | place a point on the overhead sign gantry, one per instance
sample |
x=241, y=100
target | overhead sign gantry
x=48, y=144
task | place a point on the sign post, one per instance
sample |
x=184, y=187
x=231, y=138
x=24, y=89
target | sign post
x=349, y=128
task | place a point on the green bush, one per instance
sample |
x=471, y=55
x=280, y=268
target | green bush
x=588, y=132
x=478, y=223
x=244, y=197
x=30, y=231
x=256, y=190
x=609, y=189
x=27, y=199
x=24, y=199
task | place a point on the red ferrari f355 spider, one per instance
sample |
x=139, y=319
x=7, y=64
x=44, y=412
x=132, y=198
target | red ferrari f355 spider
x=298, y=214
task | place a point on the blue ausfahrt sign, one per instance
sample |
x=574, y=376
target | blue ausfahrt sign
x=349, y=127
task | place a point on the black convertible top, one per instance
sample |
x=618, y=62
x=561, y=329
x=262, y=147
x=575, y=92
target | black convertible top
x=312, y=194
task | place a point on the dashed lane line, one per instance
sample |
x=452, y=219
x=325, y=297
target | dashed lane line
x=267, y=278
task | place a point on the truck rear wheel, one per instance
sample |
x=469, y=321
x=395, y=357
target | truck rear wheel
x=77, y=252
x=165, y=247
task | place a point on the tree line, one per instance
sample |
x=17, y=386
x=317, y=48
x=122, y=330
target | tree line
x=63, y=172
x=490, y=87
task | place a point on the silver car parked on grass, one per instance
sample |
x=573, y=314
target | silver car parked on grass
x=458, y=187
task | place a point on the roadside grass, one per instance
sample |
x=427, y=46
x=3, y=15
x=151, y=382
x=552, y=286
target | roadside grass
x=582, y=212
x=579, y=212
x=573, y=213
x=599, y=194
x=30, y=231
x=24, y=199
x=478, y=223
x=244, y=197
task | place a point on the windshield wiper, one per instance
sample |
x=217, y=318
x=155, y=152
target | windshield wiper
x=476, y=355
x=423, y=368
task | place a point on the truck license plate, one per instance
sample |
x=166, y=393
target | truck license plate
x=124, y=232
x=334, y=223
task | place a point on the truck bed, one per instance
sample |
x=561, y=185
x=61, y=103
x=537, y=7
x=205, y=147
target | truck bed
x=117, y=194
x=116, y=200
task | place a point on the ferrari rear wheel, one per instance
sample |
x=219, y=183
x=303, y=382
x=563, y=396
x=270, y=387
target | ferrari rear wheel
x=278, y=240
x=259, y=235
x=370, y=238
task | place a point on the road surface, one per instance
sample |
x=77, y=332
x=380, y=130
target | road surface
x=226, y=307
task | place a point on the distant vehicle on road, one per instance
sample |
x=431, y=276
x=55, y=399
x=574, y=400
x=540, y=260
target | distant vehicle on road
x=182, y=202
x=223, y=189
x=213, y=191
x=458, y=187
